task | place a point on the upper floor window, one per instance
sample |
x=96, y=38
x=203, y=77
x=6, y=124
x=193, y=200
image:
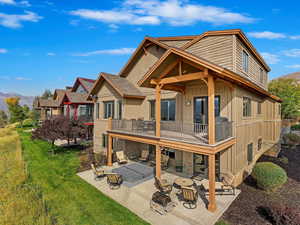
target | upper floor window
x=120, y=108
x=168, y=109
x=81, y=89
x=97, y=110
x=250, y=153
x=109, y=109
x=245, y=61
x=258, y=107
x=246, y=106
x=261, y=75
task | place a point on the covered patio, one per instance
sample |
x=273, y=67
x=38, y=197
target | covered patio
x=137, y=198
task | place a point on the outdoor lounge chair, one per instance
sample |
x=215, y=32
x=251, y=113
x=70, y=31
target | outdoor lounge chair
x=97, y=173
x=227, y=180
x=190, y=197
x=164, y=162
x=114, y=180
x=144, y=156
x=121, y=157
x=163, y=185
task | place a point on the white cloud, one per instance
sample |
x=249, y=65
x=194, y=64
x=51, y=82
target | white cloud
x=8, y=2
x=113, y=27
x=118, y=51
x=295, y=66
x=24, y=3
x=295, y=37
x=267, y=35
x=3, y=51
x=22, y=78
x=270, y=58
x=15, y=20
x=51, y=54
x=292, y=52
x=154, y=12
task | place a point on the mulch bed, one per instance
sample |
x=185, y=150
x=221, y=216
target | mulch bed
x=86, y=157
x=247, y=209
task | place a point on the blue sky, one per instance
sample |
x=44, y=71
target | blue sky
x=47, y=44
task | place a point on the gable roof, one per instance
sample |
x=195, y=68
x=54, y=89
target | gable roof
x=47, y=103
x=75, y=97
x=220, y=71
x=59, y=93
x=120, y=84
x=86, y=83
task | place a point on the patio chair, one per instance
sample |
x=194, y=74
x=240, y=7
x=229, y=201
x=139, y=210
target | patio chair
x=227, y=180
x=114, y=180
x=121, y=157
x=190, y=197
x=97, y=173
x=163, y=185
x=164, y=161
x=144, y=156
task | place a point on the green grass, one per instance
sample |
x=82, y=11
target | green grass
x=71, y=200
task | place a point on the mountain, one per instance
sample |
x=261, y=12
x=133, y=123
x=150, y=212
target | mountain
x=295, y=75
x=24, y=100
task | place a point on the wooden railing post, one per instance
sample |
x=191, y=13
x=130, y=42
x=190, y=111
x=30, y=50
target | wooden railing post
x=211, y=110
x=157, y=110
x=212, y=183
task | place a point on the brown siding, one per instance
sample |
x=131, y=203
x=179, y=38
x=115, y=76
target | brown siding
x=216, y=49
x=174, y=43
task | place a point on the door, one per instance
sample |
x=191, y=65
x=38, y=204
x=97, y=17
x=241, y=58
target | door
x=201, y=166
x=201, y=109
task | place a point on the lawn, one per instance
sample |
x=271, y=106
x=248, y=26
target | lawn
x=70, y=199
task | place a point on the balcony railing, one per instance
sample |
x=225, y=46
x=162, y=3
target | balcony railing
x=178, y=130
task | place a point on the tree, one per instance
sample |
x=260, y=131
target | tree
x=47, y=94
x=289, y=91
x=3, y=119
x=15, y=110
x=60, y=127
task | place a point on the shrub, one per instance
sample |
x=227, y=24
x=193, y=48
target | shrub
x=222, y=222
x=283, y=215
x=269, y=176
x=291, y=139
x=28, y=123
x=295, y=127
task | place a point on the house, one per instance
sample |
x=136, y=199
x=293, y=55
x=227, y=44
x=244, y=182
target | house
x=202, y=100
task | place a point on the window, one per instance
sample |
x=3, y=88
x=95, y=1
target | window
x=169, y=152
x=120, y=107
x=250, y=153
x=217, y=106
x=168, y=109
x=279, y=109
x=97, y=110
x=259, y=144
x=245, y=57
x=261, y=75
x=258, y=107
x=81, y=90
x=109, y=109
x=104, y=140
x=246, y=107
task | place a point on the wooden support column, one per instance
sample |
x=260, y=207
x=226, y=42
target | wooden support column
x=157, y=161
x=212, y=183
x=75, y=112
x=211, y=110
x=157, y=110
x=109, y=150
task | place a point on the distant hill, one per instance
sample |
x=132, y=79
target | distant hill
x=295, y=75
x=24, y=100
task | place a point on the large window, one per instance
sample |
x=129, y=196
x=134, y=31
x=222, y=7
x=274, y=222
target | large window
x=245, y=57
x=250, y=153
x=258, y=107
x=120, y=109
x=168, y=109
x=246, y=107
x=109, y=109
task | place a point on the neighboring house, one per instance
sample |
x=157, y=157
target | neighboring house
x=47, y=108
x=202, y=100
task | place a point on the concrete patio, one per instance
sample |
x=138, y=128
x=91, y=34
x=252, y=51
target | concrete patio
x=137, y=199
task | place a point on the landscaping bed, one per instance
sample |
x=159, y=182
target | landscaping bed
x=249, y=207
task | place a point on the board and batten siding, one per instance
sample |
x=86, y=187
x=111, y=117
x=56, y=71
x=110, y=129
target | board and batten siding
x=254, y=65
x=216, y=49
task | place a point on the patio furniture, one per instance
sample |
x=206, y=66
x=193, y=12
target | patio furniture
x=183, y=182
x=97, y=173
x=114, y=180
x=121, y=157
x=144, y=156
x=163, y=185
x=161, y=203
x=190, y=197
x=164, y=161
x=132, y=155
x=227, y=180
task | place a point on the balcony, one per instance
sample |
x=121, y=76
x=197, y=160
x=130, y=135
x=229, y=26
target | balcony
x=195, y=133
